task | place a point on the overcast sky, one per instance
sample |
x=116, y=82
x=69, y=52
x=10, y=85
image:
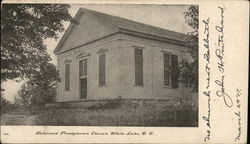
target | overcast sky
x=164, y=16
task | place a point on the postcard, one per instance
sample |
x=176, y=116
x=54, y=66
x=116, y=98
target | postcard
x=124, y=71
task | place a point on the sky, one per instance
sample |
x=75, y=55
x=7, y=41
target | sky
x=164, y=16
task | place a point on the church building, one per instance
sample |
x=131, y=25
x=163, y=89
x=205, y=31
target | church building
x=101, y=57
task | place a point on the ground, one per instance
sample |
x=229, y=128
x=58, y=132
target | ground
x=17, y=119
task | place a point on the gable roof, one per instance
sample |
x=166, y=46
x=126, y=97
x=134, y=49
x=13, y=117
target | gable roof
x=122, y=24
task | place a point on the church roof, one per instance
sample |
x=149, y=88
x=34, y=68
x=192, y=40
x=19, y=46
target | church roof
x=125, y=25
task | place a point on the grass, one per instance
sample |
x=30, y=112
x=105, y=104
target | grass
x=121, y=113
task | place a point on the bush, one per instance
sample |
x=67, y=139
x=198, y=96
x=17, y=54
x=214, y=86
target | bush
x=111, y=104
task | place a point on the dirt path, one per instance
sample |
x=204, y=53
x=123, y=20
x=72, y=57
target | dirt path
x=17, y=119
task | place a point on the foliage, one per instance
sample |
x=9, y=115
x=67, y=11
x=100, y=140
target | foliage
x=39, y=89
x=189, y=70
x=24, y=95
x=44, y=82
x=111, y=104
x=5, y=105
x=24, y=27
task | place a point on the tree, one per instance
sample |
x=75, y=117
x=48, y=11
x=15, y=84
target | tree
x=189, y=71
x=24, y=27
x=24, y=95
x=44, y=82
x=40, y=89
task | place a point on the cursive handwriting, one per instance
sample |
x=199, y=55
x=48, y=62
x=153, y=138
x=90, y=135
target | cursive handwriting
x=220, y=54
x=206, y=93
x=207, y=118
x=206, y=55
x=237, y=114
x=221, y=93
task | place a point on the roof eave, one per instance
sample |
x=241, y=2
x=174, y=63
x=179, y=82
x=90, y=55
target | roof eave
x=154, y=37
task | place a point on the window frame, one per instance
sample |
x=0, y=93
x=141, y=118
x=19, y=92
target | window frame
x=82, y=59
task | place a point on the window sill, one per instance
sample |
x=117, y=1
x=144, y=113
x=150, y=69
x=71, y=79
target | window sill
x=138, y=86
x=167, y=87
x=103, y=86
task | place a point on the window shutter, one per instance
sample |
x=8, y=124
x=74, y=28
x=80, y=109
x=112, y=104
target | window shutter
x=102, y=70
x=67, y=77
x=138, y=66
x=174, y=71
x=166, y=69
